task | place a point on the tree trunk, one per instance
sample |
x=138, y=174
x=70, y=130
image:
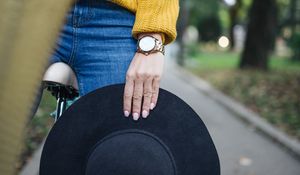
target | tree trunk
x=181, y=28
x=293, y=5
x=260, y=35
x=233, y=16
x=293, y=23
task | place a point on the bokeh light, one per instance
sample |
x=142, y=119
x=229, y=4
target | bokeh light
x=223, y=42
x=230, y=2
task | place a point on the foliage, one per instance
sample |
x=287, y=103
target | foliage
x=37, y=128
x=204, y=15
x=200, y=9
x=192, y=49
x=294, y=43
x=284, y=10
x=274, y=94
x=209, y=29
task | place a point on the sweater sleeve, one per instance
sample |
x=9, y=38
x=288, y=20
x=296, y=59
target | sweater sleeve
x=157, y=16
x=131, y=5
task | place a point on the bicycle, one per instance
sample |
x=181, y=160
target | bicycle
x=60, y=80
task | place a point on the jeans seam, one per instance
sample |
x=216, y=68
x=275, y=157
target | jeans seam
x=85, y=13
x=74, y=37
x=89, y=11
x=79, y=81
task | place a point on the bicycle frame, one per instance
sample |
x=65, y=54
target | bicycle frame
x=61, y=81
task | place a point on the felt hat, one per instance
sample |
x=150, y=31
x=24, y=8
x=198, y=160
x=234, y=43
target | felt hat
x=93, y=137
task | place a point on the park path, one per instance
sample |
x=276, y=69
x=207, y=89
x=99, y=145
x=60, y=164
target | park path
x=242, y=150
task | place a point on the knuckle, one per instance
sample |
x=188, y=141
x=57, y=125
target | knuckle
x=137, y=97
x=155, y=87
x=130, y=76
x=147, y=75
x=153, y=94
x=143, y=75
x=147, y=94
x=127, y=95
x=140, y=75
x=156, y=77
x=136, y=107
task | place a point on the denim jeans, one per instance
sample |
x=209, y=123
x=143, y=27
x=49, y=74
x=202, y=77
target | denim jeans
x=96, y=42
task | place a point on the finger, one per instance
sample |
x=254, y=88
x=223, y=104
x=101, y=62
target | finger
x=128, y=93
x=137, y=98
x=147, y=94
x=155, y=91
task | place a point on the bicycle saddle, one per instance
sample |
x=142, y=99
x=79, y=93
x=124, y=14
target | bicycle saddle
x=61, y=80
x=61, y=73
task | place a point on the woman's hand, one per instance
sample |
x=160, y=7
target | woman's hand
x=142, y=83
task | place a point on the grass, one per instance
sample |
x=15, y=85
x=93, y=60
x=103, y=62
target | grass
x=230, y=60
x=274, y=94
x=37, y=128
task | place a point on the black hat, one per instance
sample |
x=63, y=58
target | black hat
x=93, y=137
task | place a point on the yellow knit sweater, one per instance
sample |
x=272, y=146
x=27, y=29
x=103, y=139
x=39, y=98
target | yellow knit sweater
x=154, y=16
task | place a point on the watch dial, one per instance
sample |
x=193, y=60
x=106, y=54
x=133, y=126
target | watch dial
x=147, y=44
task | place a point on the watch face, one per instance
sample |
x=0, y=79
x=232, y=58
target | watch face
x=147, y=43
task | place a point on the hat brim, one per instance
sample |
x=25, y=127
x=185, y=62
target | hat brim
x=100, y=113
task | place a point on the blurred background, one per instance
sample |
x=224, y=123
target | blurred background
x=248, y=49
x=245, y=50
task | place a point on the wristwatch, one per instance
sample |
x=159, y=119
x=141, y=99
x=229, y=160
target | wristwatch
x=149, y=44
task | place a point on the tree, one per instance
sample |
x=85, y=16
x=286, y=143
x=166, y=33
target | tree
x=260, y=35
x=293, y=5
x=294, y=41
x=233, y=16
x=193, y=12
x=209, y=28
x=204, y=16
x=181, y=27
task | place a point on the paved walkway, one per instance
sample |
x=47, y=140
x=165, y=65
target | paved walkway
x=242, y=150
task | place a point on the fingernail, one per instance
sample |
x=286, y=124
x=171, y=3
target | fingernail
x=144, y=114
x=135, y=116
x=126, y=113
x=152, y=105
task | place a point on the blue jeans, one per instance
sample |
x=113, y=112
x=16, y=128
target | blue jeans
x=96, y=42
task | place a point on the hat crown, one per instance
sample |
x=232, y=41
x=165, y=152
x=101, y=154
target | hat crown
x=130, y=152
